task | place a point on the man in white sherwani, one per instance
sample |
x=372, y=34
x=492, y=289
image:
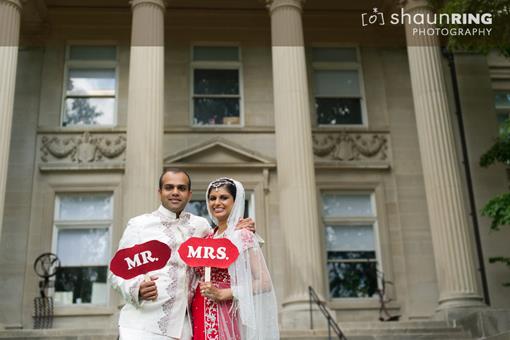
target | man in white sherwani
x=157, y=309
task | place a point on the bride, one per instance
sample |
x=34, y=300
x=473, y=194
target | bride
x=239, y=303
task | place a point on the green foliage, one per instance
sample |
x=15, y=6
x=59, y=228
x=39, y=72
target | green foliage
x=498, y=208
x=499, y=38
x=500, y=151
x=505, y=260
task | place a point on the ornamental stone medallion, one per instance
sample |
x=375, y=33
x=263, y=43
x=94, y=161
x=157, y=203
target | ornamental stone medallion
x=87, y=150
x=351, y=148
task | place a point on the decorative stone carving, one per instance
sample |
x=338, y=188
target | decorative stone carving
x=351, y=147
x=86, y=148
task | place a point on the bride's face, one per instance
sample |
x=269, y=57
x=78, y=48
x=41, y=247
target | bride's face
x=220, y=203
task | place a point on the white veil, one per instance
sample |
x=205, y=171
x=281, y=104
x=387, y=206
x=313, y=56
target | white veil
x=254, y=296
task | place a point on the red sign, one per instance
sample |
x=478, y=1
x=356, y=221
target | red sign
x=140, y=259
x=208, y=252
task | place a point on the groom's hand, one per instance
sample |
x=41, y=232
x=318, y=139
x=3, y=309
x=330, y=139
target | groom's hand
x=148, y=290
x=246, y=223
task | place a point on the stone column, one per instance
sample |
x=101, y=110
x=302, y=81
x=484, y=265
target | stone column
x=144, y=158
x=296, y=175
x=451, y=235
x=10, y=15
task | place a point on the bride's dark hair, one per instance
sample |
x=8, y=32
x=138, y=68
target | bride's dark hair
x=226, y=183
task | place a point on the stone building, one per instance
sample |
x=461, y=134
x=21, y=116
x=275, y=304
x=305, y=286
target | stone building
x=344, y=135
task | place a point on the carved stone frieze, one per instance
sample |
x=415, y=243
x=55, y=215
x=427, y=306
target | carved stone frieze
x=83, y=149
x=351, y=147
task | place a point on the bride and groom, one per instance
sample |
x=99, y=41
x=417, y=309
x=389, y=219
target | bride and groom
x=238, y=303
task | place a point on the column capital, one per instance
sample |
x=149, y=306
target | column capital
x=15, y=3
x=274, y=4
x=411, y=5
x=159, y=3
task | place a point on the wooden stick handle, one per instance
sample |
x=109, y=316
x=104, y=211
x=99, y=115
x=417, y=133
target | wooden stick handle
x=207, y=274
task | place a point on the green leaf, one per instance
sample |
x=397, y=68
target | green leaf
x=499, y=38
x=498, y=208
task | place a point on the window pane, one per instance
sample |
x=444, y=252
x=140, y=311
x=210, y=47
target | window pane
x=334, y=54
x=337, y=83
x=80, y=247
x=216, y=111
x=89, y=111
x=346, y=205
x=93, y=82
x=198, y=208
x=352, y=279
x=502, y=99
x=92, y=53
x=359, y=256
x=338, y=111
x=216, y=82
x=94, y=206
x=350, y=238
x=502, y=117
x=209, y=53
x=75, y=285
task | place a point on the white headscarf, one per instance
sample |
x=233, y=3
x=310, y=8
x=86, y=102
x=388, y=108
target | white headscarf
x=251, y=284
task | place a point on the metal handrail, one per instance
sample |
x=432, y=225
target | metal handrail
x=331, y=322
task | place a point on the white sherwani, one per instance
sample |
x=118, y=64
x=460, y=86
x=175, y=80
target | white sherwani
x=166, y=315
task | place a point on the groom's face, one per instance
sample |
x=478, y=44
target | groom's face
x=175, y=192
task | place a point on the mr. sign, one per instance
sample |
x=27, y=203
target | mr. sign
x=140, y=259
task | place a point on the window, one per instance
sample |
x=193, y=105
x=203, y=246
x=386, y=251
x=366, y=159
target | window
x=82, y=238
x=216, y=94
x=338, y=86
x=502, y=104
x=90, y=86
x=352, y=259
x=198, y=207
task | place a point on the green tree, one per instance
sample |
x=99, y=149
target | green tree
x=498, y=208
x=499, y=38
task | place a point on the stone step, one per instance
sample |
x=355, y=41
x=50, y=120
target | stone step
x=502, y=336
x=425, y=324
x=384, y=337
x=405, y=330
x=60, y=334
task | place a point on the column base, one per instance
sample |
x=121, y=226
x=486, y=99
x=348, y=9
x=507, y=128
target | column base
x=460, y=301
x=296, y=314
x=481, y=322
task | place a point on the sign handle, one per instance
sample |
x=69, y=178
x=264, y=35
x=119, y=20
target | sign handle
x=207, y=274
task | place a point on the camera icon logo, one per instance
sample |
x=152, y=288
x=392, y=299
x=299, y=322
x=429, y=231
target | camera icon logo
x=372, y=18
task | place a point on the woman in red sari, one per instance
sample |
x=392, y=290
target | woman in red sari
x=239, y=302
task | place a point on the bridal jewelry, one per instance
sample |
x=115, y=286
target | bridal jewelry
x=221, y=182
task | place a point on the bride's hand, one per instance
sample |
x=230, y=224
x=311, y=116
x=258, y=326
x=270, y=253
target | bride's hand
x=211, y=292
x=246, y=223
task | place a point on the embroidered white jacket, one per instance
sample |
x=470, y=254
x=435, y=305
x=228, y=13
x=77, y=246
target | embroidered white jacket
x=164, y=316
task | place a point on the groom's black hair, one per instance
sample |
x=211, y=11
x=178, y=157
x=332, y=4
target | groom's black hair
x=175, y=171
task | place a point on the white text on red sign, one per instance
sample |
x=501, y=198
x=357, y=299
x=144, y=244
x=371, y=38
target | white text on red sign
x=207, y=253
x=136, y=262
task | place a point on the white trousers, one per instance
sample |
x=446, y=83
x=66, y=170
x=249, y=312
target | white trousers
x=138, y=334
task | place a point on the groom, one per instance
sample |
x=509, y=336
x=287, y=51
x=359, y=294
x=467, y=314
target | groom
x=157, y=308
